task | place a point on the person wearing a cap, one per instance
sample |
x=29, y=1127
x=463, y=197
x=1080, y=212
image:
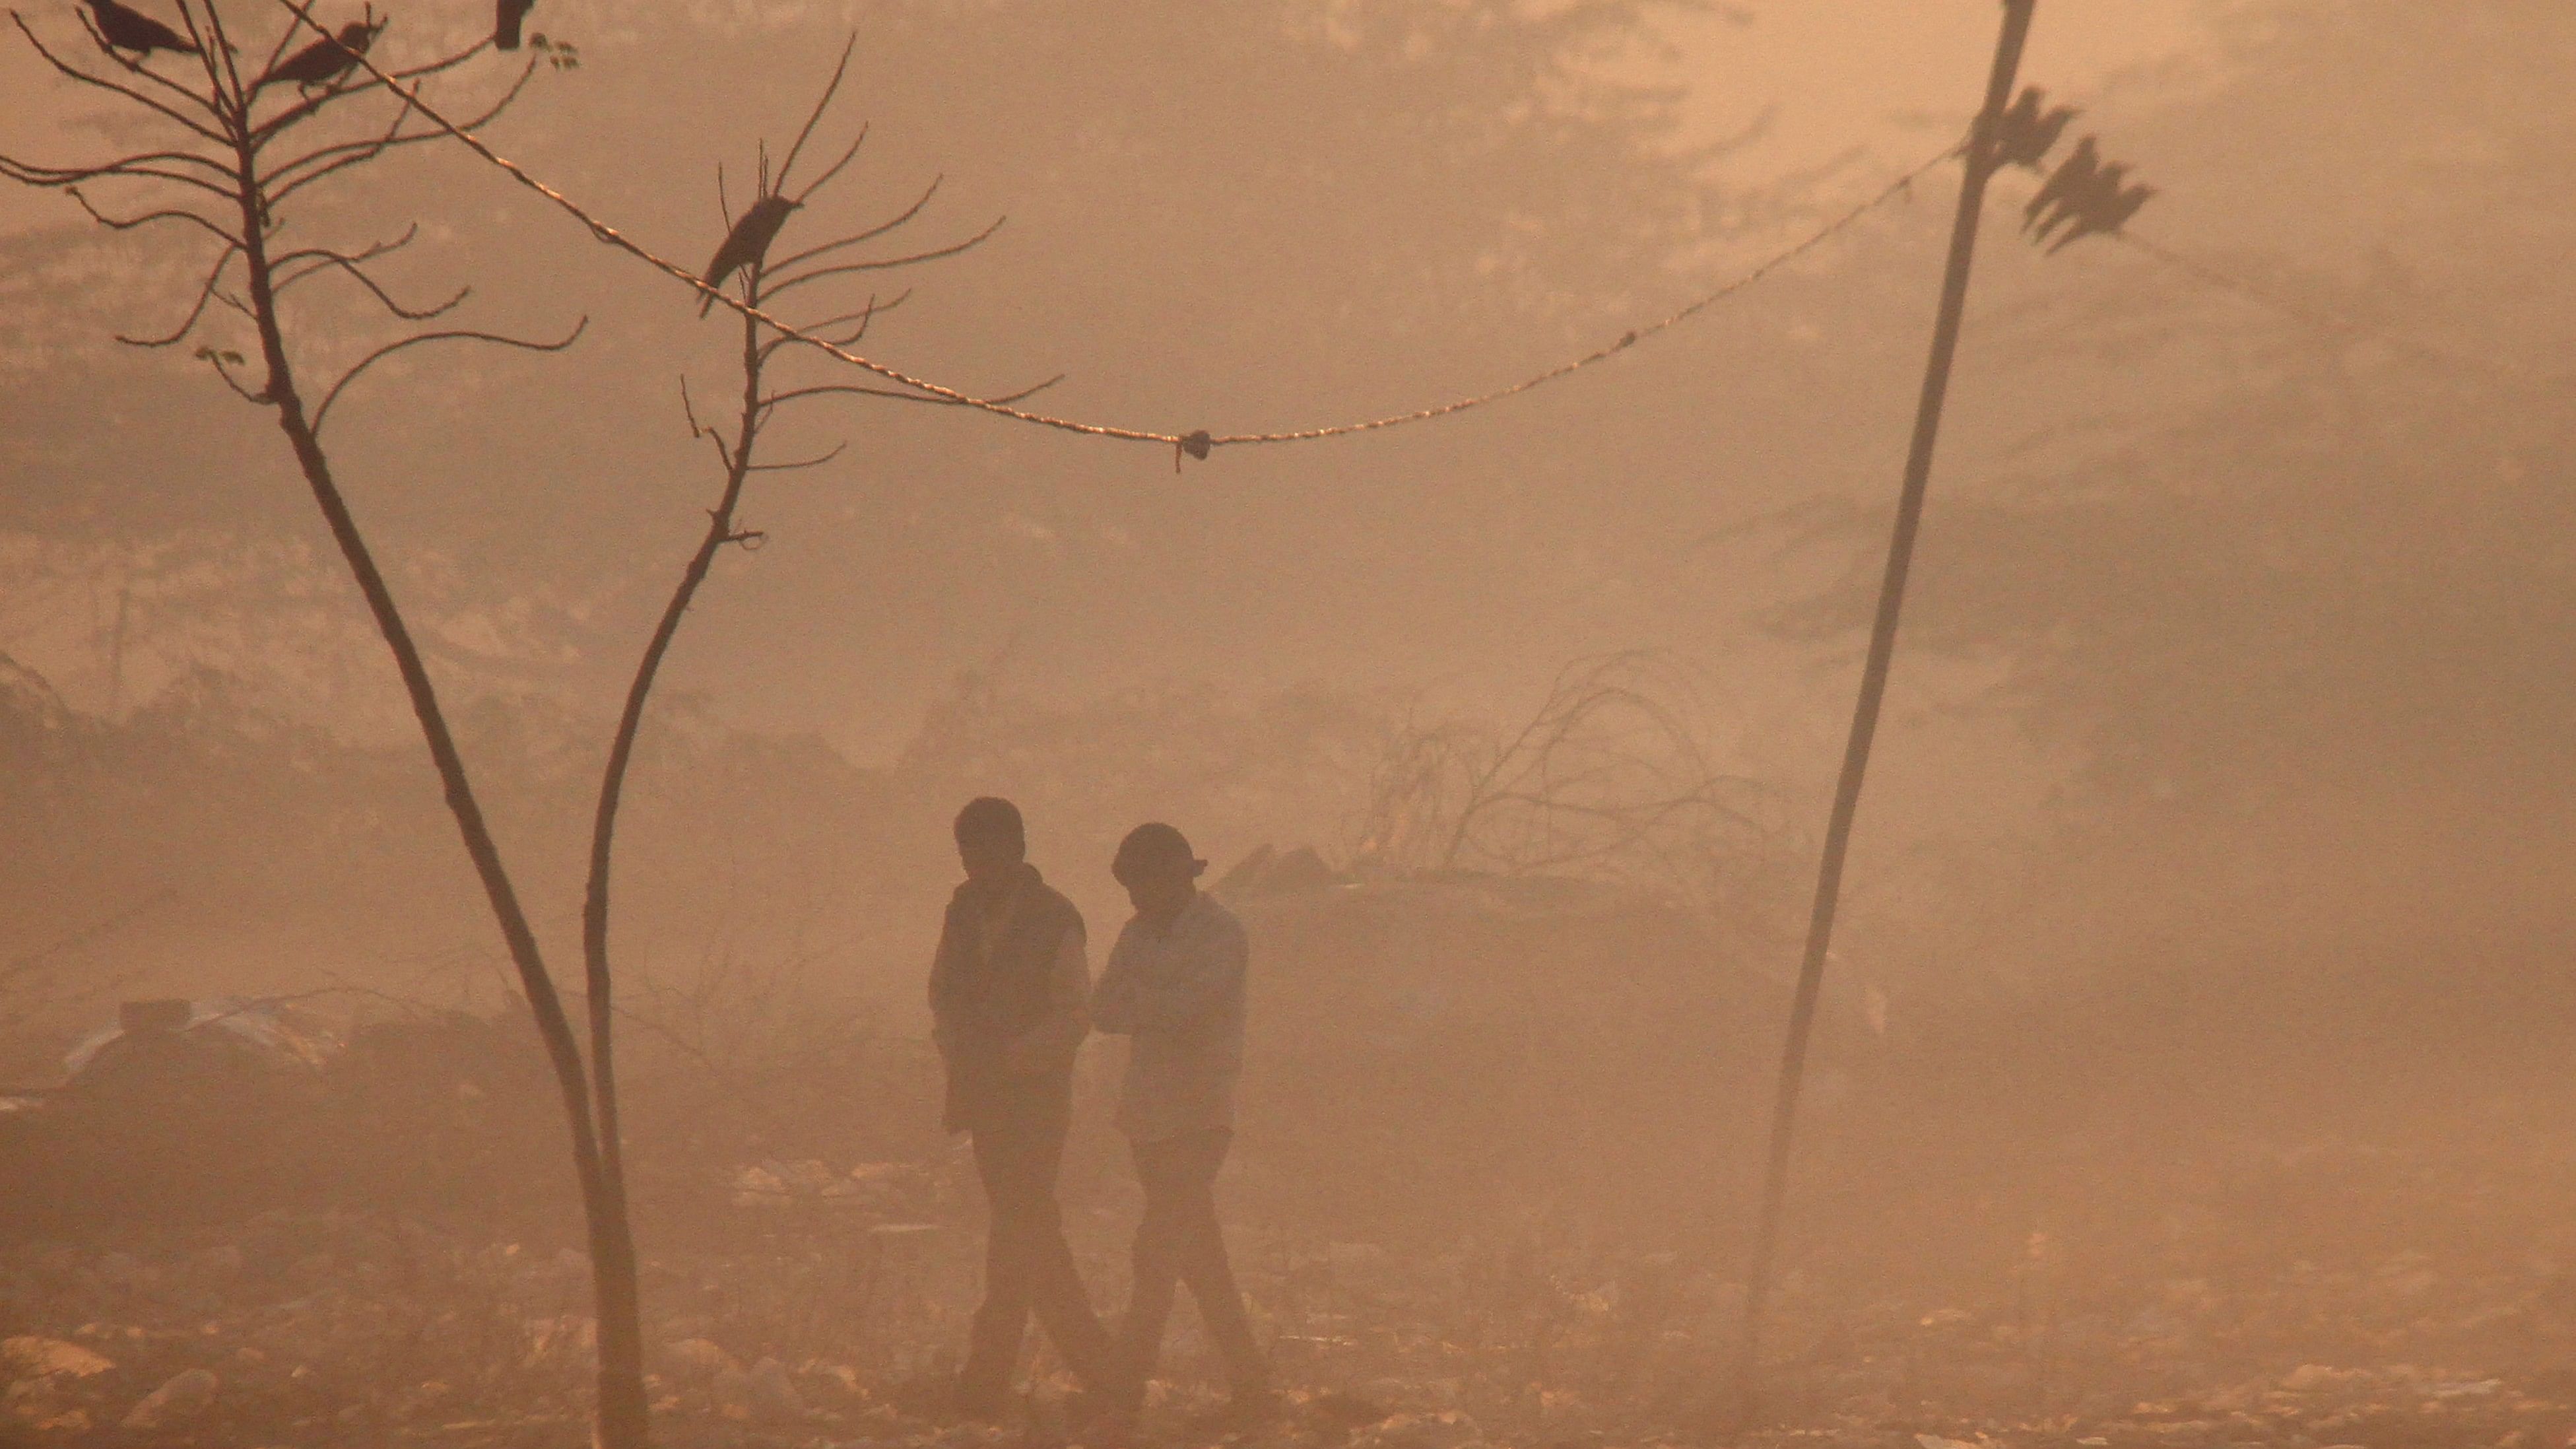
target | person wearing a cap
x=1007, y=992
x=1174, y=985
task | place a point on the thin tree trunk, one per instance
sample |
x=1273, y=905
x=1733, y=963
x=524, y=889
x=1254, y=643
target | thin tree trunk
x=623, y=1421
x=621, y=1339
x=1873, y=683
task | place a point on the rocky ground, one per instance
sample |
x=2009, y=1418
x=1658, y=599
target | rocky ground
x=826, y=1317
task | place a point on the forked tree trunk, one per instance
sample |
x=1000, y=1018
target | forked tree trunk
x=623, y=1421
x=599, y=982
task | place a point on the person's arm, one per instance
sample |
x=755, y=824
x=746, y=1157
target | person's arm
x=1206, y=972
x=1054, y=1041
x=1113, y=1001
x=942, y=992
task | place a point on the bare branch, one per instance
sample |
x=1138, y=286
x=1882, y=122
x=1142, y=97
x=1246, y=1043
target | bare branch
x=390, y=348
x=134, y=167
x=306, y=106
x=216, y=50
x=168, y=214
x=215, y=360
x=372, y=251
x=328, y=158
x=188, y=324
x=825, y=100
x=815, y=462
x=865, y=317
x=330, y=260
x=351, y=153
x=846, y=268
x=724, y=450
x=277, y=52
x=688, y=409
x=136, y=96
x=871, y=234
x=836, y=167
x=122, y=165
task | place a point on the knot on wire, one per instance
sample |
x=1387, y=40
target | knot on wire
x=1195, y=444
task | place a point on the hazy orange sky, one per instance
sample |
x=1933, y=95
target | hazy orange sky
x=1832, y=76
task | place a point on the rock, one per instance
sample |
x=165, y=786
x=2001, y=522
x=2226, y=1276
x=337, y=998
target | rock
x=773, y=1394
x=186, y=1395
x=30, y=1357
x=1346, y=1410
x=698, y=1358
x=731, y=1391
x=1448, y=1429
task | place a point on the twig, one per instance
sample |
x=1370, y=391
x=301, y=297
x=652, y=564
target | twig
x=459, y=335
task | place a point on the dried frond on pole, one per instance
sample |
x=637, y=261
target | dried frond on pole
x=241, y=141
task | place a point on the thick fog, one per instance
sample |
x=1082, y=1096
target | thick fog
x=2209, y=914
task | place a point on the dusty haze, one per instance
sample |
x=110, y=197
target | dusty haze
x=2210, y=915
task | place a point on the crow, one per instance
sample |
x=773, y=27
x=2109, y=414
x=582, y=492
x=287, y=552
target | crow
x=2072, y=175
x=2104, y=212
x=325, y=60
x=126, y=29
x=2026, y=132
x=748, y=242
x=2089, y=193
x=506, y=15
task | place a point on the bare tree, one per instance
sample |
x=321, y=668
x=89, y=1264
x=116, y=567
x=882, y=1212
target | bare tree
x=763, y=281
x=241, y=144
x=1607, y=778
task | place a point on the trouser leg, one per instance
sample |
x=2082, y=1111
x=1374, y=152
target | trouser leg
x=993, y=1343
x=1029, y=1266
x=1207, y=1269
x=1156, y=1277
x=1180, y=1241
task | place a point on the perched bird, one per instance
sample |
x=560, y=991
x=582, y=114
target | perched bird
x=2104, y=211
x=506, y=15
x=2072, y=175
x=327, y=59
x=128, y=29
x=2027, y=131
x=2090, y=194
x=748, y=242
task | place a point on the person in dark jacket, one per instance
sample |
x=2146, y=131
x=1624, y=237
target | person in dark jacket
x=1007, y=998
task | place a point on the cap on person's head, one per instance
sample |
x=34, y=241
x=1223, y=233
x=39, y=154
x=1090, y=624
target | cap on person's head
x=1156, y=844
x=989, y=817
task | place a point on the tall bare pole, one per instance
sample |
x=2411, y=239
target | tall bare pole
x=1873, y=680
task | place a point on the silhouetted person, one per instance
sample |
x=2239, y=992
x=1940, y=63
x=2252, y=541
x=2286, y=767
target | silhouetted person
x=747, y=243
x=1006, y=993
x=506, y=15
x=325, y=60
x=126, y=29
x=1174, y=983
